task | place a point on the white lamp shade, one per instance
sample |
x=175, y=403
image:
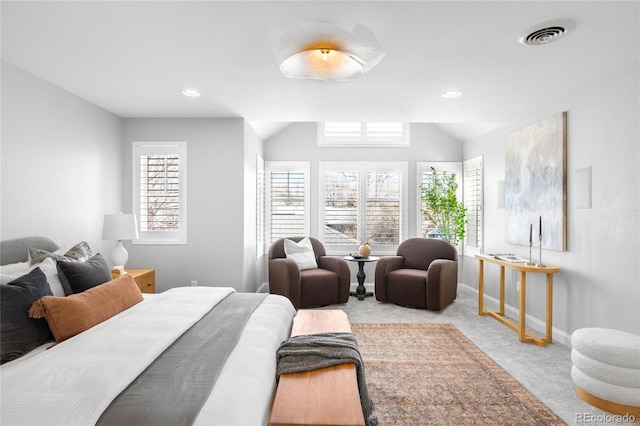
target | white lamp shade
x=299, y=51
x=120, y=227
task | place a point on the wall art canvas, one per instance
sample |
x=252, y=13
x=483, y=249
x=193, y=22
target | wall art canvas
x=536, y=183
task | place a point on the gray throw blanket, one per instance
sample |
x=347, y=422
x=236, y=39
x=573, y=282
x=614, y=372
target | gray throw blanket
x=313, y=351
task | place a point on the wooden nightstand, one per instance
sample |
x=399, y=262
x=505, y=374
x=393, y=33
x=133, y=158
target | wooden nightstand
x=145, y=278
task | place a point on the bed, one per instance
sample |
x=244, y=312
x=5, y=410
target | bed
x=189, y=355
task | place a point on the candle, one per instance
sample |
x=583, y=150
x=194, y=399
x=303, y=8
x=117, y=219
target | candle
x=540, y=226
x=531, y=232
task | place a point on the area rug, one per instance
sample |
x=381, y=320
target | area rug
x=431, y=374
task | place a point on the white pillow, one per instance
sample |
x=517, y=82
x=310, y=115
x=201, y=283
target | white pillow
x=48, y=266
x=50, y=269
x=301, y=253
x=12, y=271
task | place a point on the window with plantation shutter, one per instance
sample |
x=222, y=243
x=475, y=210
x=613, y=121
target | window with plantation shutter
x=473, y=202
x=363, y=134
x=363, y=202
x=287, y=199
x=159, y=191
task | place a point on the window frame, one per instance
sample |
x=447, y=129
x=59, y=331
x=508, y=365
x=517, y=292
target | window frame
x=364, y=139
x=364, y=167
x=283, y=166
x=161, y=148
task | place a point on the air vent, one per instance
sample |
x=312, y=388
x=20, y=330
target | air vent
x=546, y=33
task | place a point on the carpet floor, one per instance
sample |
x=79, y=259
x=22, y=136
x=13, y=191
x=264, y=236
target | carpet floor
x=431, y=374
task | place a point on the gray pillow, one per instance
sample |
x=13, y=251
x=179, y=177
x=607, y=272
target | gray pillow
x=21, y=334
x=77, y=277
x=80, y=252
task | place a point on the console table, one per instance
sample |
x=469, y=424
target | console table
x=523, y=268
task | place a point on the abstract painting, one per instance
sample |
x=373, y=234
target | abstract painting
x=536, y=183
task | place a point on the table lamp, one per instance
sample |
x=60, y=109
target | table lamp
x=119, y=227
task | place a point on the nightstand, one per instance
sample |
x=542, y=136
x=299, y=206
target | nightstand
x=145, y=278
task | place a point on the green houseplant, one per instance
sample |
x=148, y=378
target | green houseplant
x=441, y=208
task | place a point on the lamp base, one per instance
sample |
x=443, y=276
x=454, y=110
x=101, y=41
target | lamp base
x=119, y=256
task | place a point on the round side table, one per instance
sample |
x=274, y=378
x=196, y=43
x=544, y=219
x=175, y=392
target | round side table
x=361, y=291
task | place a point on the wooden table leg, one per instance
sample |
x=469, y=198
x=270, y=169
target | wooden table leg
x=480, y=287
x=502, y=290
x=549, y=336
x=523, y=305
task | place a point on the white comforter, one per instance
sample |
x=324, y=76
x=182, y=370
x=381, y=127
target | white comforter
x=75, y=381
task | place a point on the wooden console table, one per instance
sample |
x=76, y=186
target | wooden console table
x=523, y=335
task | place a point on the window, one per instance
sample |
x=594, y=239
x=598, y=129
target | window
x=350, y=134
x=363, y=202
x=473, y=202
x=427, y=229
x=287, y=199
x=159, y=192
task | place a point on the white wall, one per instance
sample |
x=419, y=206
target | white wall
x=599, y=282
x=215, y=251
x=61, y=163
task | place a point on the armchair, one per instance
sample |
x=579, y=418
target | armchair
x=423, y=274
x=327, y=284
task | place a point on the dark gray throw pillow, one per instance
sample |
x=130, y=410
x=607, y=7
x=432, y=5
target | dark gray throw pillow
x=77, y=277
x=21, y=334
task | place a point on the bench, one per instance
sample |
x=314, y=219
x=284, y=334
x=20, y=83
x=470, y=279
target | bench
x=327, y=396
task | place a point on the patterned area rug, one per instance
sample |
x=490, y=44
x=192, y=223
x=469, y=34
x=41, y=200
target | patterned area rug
x=431, y=374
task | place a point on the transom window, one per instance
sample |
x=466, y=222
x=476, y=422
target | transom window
x=363, y=134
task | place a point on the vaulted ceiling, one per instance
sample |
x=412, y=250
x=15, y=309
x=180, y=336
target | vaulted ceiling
x=134, y=58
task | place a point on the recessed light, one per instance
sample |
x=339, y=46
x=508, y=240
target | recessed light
x=451, y=94
x=192, y=93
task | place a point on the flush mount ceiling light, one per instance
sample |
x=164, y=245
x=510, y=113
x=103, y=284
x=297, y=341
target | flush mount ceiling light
x=546, y=32
x=326, y=52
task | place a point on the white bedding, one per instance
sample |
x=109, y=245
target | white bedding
x=76, y=380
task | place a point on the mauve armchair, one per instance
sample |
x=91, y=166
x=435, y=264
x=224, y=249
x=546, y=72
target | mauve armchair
x=423, y=274
x=328, y=284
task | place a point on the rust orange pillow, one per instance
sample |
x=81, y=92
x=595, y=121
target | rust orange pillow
x=71, y=315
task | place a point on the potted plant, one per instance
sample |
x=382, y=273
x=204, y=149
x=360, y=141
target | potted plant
x=441, y=207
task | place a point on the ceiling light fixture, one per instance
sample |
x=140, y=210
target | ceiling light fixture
x=192, y=93
x=451, y=94
x=326, y=52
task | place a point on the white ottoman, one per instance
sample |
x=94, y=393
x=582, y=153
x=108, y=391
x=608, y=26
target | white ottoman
x=606, y=369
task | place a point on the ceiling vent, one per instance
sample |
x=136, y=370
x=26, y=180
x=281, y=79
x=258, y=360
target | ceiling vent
x=546, y=32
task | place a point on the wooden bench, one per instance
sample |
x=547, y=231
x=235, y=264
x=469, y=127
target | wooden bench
x=327, y=396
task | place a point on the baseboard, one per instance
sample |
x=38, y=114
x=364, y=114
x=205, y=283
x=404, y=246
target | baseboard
x=534, y=323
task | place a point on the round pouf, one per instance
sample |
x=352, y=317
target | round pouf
x=606, y=369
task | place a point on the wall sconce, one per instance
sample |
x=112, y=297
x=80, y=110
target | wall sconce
x=500, y=192
x=582, y=195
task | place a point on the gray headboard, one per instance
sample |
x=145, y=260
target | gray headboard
x=16, y=250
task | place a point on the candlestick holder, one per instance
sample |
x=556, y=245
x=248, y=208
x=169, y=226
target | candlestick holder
x=530, y=262
x=540, y=264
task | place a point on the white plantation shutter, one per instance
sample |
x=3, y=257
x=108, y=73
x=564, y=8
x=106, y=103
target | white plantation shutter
x=363, y=202
x=473, y=202
x=287, y=195
x=159, y=192
x=380, y=134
